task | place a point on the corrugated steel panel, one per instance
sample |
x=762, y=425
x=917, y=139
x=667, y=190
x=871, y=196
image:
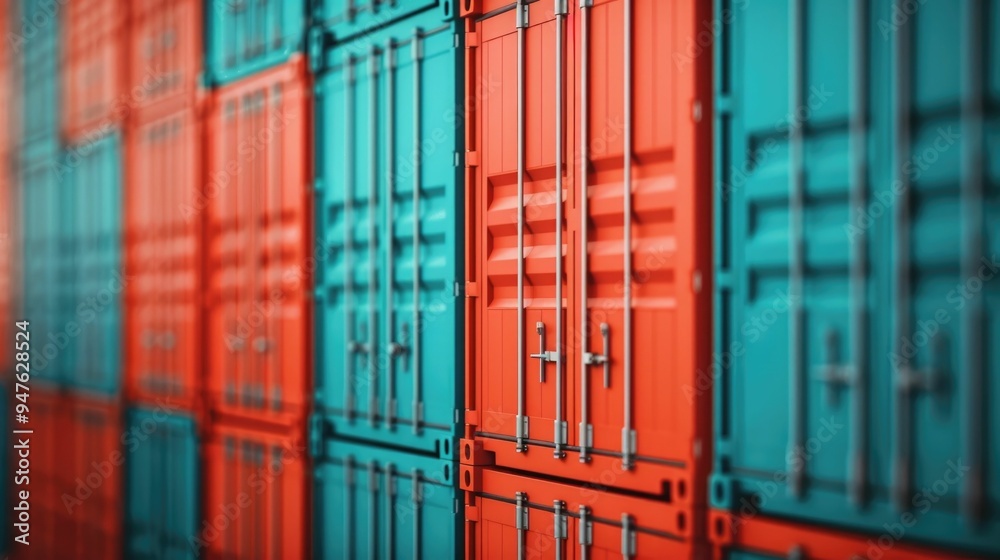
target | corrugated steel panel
x=350, y=20
x=374, y=502
x=165, y=52
x=572, y=189
x=257, y=499
x=759, y=538
x=97, y=462
x=49, y=523
x=48, y=274
x=94, y=62
x=259, y=266
x=163, y=484
x=164, y=239
x=389, y=230
x=854, y=242
x=515, y=516
x=247, y=36
x=94, y=172
x=75, y=478
x=41, y=73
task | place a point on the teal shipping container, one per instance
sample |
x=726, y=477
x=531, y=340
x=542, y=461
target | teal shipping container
x=390, y=229
x=48, y=264
x=858, y=171
x=162, y=484
x=243, y=37
x=93, y=169
x=35, y=36
x=375, y=503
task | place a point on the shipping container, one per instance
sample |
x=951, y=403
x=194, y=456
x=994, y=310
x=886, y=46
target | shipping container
x=735, y=537
x=163, y=484
x=38, y=37
x=94, y=329
x=164, y=213
x=244, y=37
x=389, y=230
x=94, y=61
x=92, y=478
x=49, y=523
x=48, y=274
x=511, y=515
x=75, y=478
x=256, y=499
x=854, y=303
x=259, y=264
x=375, y=502
x=588, y=248
x=164, y=54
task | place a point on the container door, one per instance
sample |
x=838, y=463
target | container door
x=230, y=250
x=846, y=192
x=523, y=239
x=800, y=316
x=177, y=337
x=510, y=528
x=42, y=289
x=281, y=273
x=246, y=36
x=166, y=53
x=384, y=503
x=396, y=280
x=944, y=272
x=643, y=232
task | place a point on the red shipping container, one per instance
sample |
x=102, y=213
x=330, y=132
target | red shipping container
x=258, y=230
x=512, y=516
x=783, y=539
x=94, y=66
x=164, y=214
x=165, y=52
x=49, y=521
x=75, y=479
x=256, y=495
x=620, y=407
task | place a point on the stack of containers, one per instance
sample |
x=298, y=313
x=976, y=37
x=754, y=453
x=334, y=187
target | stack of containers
x=163, y=255
x=42, y=191
x=42, y=196
x=388, y=314
x=854, y=257
x=588, y=279
x=82, y=335
x=257, y=342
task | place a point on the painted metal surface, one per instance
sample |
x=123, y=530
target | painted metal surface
x=389, y=228
x=164, y=240
x=736, y=537
x=165, y=56
x=374, y=502
x=588, y=249
x=163, y=484
x=350, y=20
x=259, y=264
x=854, y=263
x=48, y=274
x=244, y=37
x=97, y=276
x=256, y=499
x=41, y=75
x=512, y=515
x=94, y=64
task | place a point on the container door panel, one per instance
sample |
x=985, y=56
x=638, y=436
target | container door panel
x=530, y=283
